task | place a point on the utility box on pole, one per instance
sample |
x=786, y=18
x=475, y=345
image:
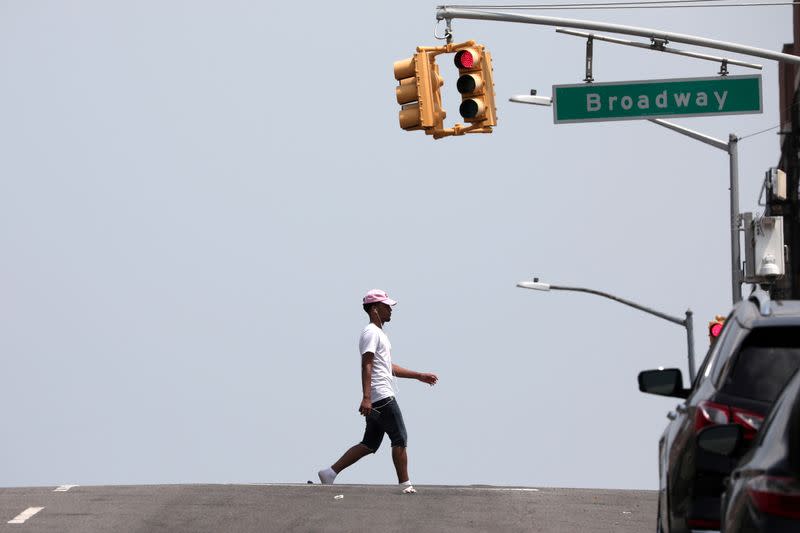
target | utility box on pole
x=775, y=181
x=763, y=248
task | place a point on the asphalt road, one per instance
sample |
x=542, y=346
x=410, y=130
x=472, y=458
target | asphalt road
x=260, y=508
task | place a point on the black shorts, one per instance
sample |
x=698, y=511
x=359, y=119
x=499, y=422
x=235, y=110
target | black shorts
x=385, y=417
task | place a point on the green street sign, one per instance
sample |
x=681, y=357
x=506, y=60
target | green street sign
x=630, y=100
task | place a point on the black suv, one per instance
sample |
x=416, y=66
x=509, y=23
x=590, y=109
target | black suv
x=740, y=378
x=763, y=492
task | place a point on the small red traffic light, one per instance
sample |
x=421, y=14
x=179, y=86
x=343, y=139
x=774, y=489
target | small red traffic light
x=464, y=59
x=715, y=328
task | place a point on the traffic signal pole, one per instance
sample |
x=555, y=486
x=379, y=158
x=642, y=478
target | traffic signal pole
x=662, y=37
x=447, y=14
x=732, y=148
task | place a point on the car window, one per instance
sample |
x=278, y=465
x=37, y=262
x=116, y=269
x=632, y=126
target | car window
x=766, y=360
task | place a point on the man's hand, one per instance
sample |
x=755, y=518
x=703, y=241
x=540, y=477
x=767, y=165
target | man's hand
x=430, y=379
x=365, y=407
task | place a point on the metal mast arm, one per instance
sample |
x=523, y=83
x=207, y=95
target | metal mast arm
x=711, y=141
x=449, y=13
x=656, y=48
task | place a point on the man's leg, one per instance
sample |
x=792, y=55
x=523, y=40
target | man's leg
x=328, y=475
x=396, y=429
x=373, y=435
x=400, y=458
x=350, y=456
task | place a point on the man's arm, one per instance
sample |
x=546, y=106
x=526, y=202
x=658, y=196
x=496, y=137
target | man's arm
x=424, y=377
x=366, y=383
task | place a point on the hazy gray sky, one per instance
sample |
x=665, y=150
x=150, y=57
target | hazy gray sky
x=194, y=196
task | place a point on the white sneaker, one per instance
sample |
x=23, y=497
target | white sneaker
x=409, y=490
x=326, y=476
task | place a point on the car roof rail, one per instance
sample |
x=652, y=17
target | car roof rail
x=761, y=298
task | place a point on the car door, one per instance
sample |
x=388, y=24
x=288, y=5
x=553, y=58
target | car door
x=678, y=451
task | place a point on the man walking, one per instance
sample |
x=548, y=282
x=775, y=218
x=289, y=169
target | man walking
x=378, y=404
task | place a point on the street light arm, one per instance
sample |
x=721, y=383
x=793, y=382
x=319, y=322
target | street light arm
x=679, y=321
x=711, y=141
x=687, y=322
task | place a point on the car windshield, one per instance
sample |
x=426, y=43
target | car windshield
x=767, y=359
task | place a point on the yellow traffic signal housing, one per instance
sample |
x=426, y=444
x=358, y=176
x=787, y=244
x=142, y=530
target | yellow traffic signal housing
x=715, y=328
x=418, y=92
x=476, y=86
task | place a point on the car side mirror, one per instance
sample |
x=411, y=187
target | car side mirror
x=664, y=382
x=722, y=439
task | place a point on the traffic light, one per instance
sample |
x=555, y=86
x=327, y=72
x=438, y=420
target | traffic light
x=476, y=86
x=418, y=93
x=715, y=328
x=418, y=90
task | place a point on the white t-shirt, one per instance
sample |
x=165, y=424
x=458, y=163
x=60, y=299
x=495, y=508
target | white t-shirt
x=374, y=340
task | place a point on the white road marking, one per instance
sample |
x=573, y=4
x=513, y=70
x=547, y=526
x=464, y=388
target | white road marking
x=24, y=515
x=519, y=490
x=65, y=488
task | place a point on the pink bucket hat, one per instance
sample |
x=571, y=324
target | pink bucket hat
x=377, y=295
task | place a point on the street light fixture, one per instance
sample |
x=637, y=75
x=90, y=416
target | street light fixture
x=685, y=322
x=532, y=98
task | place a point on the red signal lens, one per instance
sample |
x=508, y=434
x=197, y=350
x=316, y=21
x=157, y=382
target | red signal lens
x=465, y=59
x=715, y=329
